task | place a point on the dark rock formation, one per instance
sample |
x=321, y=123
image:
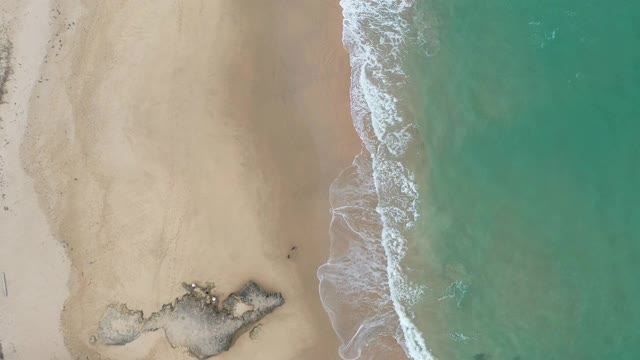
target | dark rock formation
x=195, y=320
x=119, y=325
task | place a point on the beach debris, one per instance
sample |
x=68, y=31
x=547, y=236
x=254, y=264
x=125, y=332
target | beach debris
x=202, y=292
x=4, y=284
x=195, y=320
x=1, y=354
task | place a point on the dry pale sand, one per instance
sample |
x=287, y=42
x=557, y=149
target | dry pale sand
x=34, y=262
x=172, y=141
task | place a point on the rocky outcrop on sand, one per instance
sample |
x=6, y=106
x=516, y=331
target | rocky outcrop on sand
x=196, y=320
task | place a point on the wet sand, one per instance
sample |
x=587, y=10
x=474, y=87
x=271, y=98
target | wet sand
x=182, y=141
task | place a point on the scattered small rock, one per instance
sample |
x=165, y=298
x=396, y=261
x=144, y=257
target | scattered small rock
x=255, y=331
x=6, y=208
x=92, y=339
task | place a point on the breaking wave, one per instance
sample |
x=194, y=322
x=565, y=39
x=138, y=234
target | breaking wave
x=374, y=202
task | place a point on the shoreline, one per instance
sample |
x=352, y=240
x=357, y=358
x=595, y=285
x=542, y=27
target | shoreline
x=111, y=151
x=378, y=196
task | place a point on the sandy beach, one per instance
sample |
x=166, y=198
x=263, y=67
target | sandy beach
x=166, y=142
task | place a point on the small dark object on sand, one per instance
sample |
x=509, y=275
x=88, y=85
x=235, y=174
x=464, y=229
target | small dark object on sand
x=1, y=355
x=4, y=285
x=293, y=248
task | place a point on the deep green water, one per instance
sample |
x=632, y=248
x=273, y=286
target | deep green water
x=530, y=224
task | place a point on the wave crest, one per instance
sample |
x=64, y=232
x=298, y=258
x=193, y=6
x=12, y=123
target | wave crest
x=374, y=202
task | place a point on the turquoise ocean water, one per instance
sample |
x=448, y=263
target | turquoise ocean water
x=494, y=211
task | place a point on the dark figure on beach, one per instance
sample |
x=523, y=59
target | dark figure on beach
x=293, y=248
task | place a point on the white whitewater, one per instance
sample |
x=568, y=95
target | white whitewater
x=374, y=202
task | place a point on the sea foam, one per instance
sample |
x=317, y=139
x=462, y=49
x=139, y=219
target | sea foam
x=374, y=202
